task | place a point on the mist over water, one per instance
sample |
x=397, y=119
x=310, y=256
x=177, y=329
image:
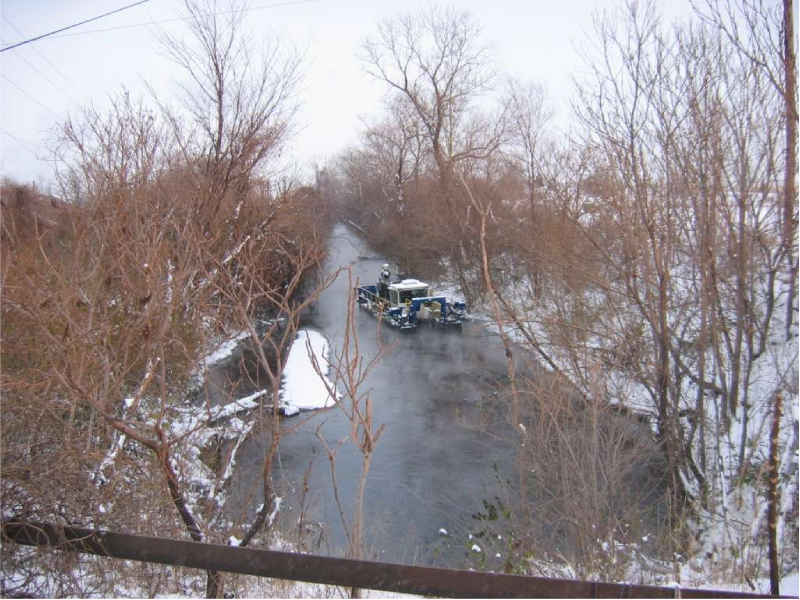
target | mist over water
x=437, y=458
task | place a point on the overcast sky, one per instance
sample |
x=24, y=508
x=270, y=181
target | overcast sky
x=44, y=81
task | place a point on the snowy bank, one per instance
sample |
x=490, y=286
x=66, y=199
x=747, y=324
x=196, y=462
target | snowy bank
x=302, y=387
x=224, y=350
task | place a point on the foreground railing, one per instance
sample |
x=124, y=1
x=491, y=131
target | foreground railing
x=426, y=581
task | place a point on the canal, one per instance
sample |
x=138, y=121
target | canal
x=441, y=453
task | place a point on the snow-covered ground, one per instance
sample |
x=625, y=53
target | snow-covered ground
x=790, y=585
x=303, y=388
x=730, y=539
x=224, y=350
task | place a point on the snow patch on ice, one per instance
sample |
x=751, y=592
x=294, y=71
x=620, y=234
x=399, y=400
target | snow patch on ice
x=289, y=411
x=302, y=387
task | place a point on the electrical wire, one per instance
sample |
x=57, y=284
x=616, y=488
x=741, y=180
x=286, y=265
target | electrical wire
x=4, y=76
x=35, y=49
x=18, y=44
x=46, y=78
x=229, y=12
x=20, y=142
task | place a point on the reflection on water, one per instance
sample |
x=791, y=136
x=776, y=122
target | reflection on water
x=435, y=462
x=445, y=462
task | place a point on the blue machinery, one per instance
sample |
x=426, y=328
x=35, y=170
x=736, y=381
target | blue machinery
x=407, y=303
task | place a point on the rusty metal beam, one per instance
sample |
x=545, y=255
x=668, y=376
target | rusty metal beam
x=388, y=577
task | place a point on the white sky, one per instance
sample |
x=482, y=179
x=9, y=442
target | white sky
x=532, y=39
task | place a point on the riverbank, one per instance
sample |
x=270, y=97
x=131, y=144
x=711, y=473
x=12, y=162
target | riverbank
x=727, y=517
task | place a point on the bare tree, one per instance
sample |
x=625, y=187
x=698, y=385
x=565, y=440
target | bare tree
x=628, y=118
x=169, y=232
x=763, y=37
x=238, y=103
x=129, y=296
x=528, y=116
x=763, y=33
x=655, y=276
x=435, y=60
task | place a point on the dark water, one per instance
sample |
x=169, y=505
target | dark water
x=440, y=454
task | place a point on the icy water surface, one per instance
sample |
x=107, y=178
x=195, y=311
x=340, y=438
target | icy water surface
x=436, y=460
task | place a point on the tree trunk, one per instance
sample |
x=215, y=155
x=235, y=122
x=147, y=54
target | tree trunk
x=213, y=578
x=214, y=587
x=773, y=499
x=789, y=191
x=741, y=307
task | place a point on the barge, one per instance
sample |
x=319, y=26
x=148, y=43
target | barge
x=407, y=303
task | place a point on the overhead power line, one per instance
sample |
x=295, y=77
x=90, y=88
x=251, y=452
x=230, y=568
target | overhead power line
x=44, y=58
x=20, y=142
x=46, y=78
x=4, y=76
x=175, y=20
x=18, y=44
